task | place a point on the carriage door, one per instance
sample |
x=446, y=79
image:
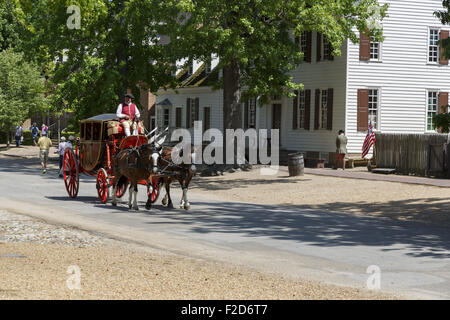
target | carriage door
x=276, y=118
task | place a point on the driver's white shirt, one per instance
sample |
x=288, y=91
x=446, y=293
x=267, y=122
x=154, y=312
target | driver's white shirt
x=120, y=115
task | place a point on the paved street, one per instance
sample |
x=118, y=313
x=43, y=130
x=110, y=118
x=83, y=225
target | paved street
x=334, y=247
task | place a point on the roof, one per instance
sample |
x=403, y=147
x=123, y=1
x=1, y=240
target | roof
x=103, y=117
x=199, y=78
x=165, y=102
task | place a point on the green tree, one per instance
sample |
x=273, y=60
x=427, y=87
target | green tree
x=90, y=67
x=253, y=38
x=10, y=27
x=442, y=120
x=21, y=90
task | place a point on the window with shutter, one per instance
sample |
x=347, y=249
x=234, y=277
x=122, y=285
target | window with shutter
x=166, y=117
x=249, y=119
x=301, y=109
x=364, y=47
x=294, y=111
x=326, y=48
x=206, y=118
x=373, y=107
x=319, y=47
x=375, y=50
x=188, y=113
x=433, y=48
x=301, y=101
x=330, y=109
x=178, y=120
x=196, y=108
x=307, y=109
x=363, y=110
x=443, y=102
x=317, y=110
x=442, y=36
x=432, y=108
x=323, y=109
x=307, y=57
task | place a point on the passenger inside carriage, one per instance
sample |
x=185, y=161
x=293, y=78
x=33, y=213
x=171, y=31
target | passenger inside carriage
x=129, y=115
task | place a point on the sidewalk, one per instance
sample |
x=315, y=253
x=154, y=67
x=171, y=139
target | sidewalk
x=363, y=173
x=356, y=173
x=26, y=152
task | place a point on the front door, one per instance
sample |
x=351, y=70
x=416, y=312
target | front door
x=276, y=117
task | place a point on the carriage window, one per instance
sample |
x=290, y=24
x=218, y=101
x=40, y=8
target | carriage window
x=88, y=131
x=97, y=130
x=83, y=127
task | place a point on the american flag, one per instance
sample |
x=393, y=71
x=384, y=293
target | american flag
x=369, y=141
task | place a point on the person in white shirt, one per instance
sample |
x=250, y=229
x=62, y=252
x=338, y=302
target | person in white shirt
x=61, y=148
x=128, y=114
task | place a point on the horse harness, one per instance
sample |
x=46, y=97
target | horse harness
x=138, y=165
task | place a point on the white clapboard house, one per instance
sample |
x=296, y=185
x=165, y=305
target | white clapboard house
x=398, y=84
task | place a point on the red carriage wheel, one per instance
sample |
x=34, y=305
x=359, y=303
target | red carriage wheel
x=70, y=169
x=102, y=185
x=155, y=193
x=120, y=191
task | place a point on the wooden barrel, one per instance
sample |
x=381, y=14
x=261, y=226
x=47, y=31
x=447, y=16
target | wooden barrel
x=296, y=164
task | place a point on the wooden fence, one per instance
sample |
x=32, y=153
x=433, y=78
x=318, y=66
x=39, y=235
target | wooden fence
x=417, y=154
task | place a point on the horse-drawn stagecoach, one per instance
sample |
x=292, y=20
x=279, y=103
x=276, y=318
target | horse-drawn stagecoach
x=101, y=139
x=104, y=151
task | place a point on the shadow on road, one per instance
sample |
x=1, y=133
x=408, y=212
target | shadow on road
x=33, y=167
x=318, y=226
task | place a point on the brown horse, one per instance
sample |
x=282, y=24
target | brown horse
x=182, y=173
x=143, y=163
x=135, y=165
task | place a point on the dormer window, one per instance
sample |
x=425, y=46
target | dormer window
x=190, y=68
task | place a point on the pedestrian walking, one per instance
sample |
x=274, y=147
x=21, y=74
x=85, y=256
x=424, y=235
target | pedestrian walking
x=44, y=144
x=341, y=149
x=69, y=143
x=18, y=135
x=34, y=132
x=44, y=128
x=61, y=148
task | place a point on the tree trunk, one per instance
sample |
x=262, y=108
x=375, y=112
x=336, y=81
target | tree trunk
x=232, y=115
x=232, y=96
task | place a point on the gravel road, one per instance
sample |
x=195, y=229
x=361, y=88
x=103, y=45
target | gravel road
x=38, y=261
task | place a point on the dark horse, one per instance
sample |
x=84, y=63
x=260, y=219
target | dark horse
x=182, y=173
x=145, y=162
x=134, y=164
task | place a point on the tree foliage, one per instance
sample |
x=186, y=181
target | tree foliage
x=90, y=68
x=10, y=28
x=254, y=39
x=119, y=46
x=444, y=16
x=442, y=120
x=21, y=89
